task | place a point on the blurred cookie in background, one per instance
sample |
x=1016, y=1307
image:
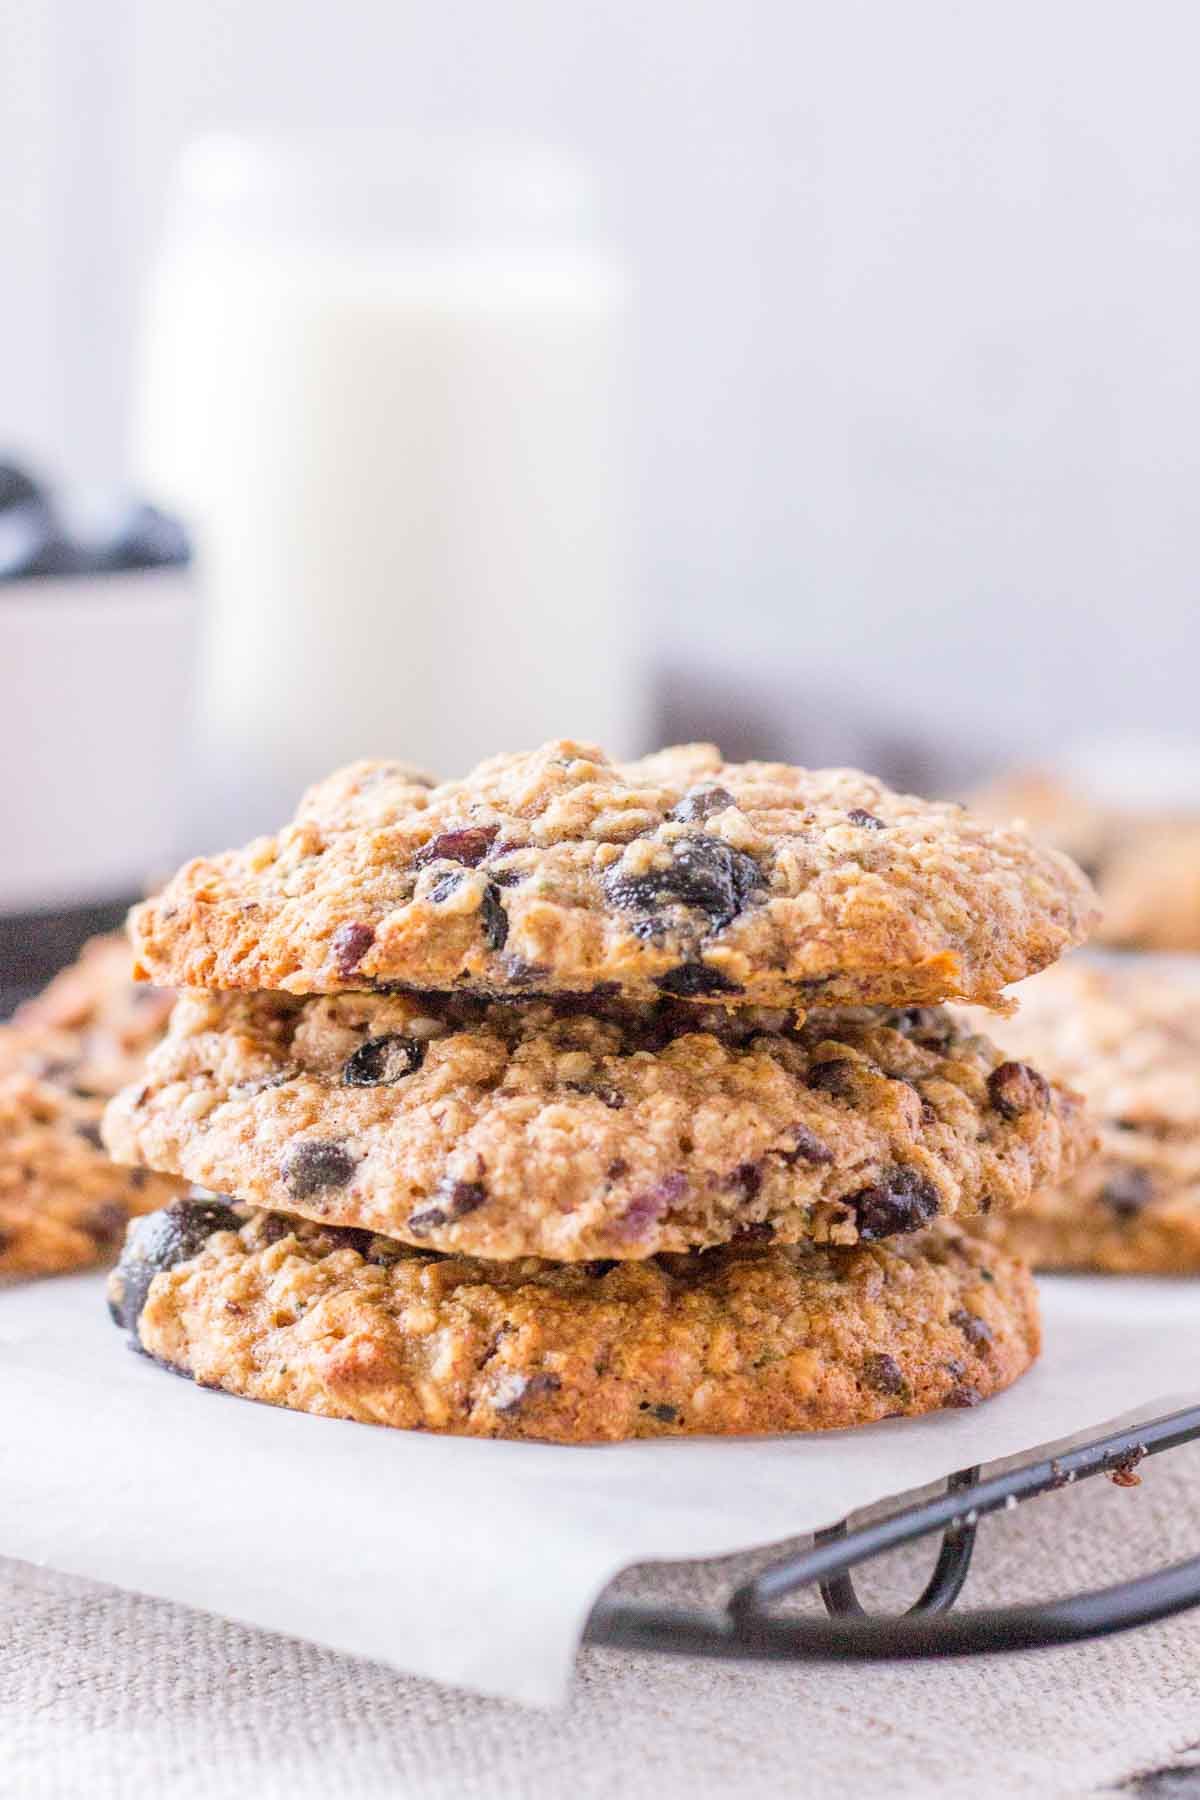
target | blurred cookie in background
x=64, y=1204
x=1125, y=1031
x=1127, y=810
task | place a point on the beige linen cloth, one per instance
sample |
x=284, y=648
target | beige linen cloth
x=105, y=1695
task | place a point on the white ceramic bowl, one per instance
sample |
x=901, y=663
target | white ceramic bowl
x=96, y=681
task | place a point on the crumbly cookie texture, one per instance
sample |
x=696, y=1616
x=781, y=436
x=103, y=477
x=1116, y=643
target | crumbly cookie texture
x=754, y=1339
x=503, y=1130
x=63, y=1203
x=1146, y=865
x=1127, y=1032
x=561, y=871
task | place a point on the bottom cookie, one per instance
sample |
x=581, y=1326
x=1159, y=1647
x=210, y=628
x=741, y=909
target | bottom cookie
x=746, y=1338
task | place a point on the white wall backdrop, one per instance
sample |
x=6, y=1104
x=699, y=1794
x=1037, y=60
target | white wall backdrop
x=919, y=290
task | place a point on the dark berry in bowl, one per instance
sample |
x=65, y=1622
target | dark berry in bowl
x=141, y=537
x=32, y=543
x=18, y=487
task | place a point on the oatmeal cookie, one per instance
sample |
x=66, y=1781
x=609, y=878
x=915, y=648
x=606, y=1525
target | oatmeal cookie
x=750, y=1339
x=503, y=1130
x=1127, y=1032
x=559, y=871
x=63, y=1203
x=1145, y=861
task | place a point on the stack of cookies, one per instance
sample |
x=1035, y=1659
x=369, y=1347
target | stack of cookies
x=64, y=1204
x=582, y=1100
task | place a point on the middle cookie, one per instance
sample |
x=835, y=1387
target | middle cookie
x=501, y=1130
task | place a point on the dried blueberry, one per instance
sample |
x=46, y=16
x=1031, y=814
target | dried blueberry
x=703, y=874
x=1014, y=1088
x=455, y=1200
x=883, y=1373
x=90, y=1133
x=977, y=1331
x=700, y=803
x=963, y=1395
x=807, y=1147
x=350, y=944
x=444, y=886
x=469, y=844
x=157, y=1242
x=867, y=821
x=834, y=1076
x=382, y=1061
x=646, y=1209
x=904, y=1202
x=314, y=1164
x=666, y=1415
x=493, y=917
x=1127, y=1191
x=694, y=978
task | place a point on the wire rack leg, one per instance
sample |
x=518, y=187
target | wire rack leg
x=945, y=1584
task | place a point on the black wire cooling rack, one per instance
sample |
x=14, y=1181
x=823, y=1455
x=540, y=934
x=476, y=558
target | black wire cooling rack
x=749, y=1627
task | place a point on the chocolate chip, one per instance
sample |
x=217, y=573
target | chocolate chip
x=866, y=820
x=90, y=1134
x=904, y=1202
x=382, y=1061
x=695, y=978
x=883, y=1373
x=513, y=1391
x=350, y=945
x=158, y=1242
x=835, y=1076
x=646, y=1209
x=963, y=1395
x=760, y=1232
x=977, y=1331
x=703, y=875
x=346, y=1237
x=1014, y=1088
x=455, y=1199
x=493, y=917
x=271, y=1227
x=808, y=1147
x=468, y=845
x=313, y=1164
x=700, y=803
x=1127, y=1191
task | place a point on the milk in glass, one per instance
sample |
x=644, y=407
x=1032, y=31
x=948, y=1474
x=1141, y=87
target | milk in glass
x=382, y=378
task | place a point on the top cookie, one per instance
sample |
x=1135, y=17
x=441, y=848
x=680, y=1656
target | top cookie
x=558, y=871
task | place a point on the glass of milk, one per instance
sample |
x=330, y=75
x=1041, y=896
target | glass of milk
x=382, y=378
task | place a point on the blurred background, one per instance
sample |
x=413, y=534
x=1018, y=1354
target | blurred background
x=822, y=379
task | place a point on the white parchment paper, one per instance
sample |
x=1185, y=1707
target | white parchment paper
x=475, y=1562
